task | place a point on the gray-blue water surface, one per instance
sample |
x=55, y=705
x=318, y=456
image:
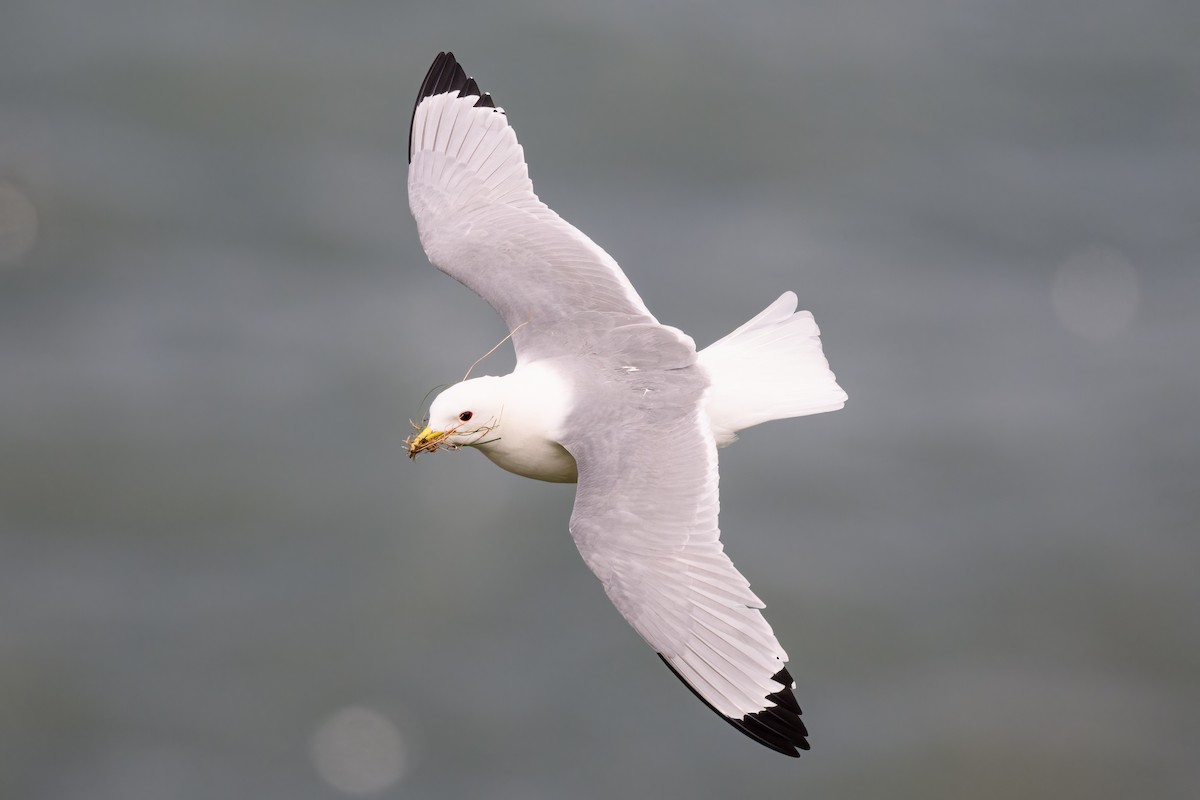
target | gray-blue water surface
x=220, y=577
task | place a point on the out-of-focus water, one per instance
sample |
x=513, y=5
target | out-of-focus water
x=220, y=578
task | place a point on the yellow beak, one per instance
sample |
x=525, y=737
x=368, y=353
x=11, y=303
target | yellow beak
x=424, y=442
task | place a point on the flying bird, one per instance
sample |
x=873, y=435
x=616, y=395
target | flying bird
x=605, y=396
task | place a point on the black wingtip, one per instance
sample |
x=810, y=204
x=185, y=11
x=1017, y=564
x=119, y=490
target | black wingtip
x=779, y=728
x=447, y=75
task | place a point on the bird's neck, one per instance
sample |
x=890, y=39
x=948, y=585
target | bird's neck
x=535, y=406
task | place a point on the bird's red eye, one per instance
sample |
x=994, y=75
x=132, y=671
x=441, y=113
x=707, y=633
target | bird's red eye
x=465, y=416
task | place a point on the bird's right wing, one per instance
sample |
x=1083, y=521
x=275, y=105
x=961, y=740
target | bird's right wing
x=645, y=521
x=481, y=223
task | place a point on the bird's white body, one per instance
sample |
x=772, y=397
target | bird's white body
x=770, y=368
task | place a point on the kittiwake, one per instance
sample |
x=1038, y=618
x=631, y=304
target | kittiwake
x=606, y=396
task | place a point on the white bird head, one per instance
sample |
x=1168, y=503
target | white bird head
x=467, y=414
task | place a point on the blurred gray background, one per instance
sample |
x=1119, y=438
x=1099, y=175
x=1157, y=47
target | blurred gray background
x=220, y=577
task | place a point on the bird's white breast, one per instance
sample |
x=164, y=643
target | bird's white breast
x=536, y=403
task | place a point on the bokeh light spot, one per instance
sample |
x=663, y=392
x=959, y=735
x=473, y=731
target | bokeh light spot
x=358, y=751
x=18, y=225
x=1095, y=293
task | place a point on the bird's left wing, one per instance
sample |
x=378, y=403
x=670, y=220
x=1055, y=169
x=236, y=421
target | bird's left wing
x=481, y=223
x=645, y=521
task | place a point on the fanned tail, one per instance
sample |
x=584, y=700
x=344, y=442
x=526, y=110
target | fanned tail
x=770, y=368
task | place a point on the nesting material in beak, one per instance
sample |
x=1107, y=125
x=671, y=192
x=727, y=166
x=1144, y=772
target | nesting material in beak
x=424, y=442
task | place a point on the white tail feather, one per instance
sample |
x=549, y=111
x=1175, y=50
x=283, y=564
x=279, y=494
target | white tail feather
x=770, y=368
